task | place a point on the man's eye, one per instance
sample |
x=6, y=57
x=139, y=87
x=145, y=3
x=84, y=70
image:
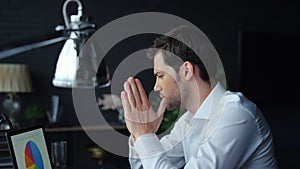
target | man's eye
x=160, y=76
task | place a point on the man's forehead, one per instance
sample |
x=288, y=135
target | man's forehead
x=158, y=57
x=160, y=65
x=158, y=62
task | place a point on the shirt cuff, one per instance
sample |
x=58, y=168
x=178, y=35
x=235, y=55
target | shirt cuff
x=132, y=152
x=148, y=145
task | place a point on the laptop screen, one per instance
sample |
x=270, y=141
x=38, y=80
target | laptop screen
x=29, y=149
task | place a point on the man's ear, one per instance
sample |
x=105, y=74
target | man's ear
x=188, y=70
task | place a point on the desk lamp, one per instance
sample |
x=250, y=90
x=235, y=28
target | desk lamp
x=73, y=69
x=14, y=78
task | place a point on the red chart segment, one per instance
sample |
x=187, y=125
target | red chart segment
x=33, y=157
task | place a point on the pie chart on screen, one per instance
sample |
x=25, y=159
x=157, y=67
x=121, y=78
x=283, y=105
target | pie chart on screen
x=33, y=157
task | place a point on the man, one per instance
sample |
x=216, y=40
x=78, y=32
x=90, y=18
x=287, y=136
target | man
x=221, y=129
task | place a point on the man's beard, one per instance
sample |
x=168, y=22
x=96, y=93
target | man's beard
x=173, y=106
x=179, y=99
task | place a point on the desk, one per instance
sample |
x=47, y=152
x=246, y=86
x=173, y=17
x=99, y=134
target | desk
x=79, y=128
x=79, y=145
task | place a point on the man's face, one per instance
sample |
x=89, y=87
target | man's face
x=167, y=82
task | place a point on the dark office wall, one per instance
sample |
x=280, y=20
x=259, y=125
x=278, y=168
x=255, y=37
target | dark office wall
x=220, y=20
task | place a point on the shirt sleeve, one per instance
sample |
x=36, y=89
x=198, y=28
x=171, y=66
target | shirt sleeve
x=147, y=151
x=152, y=154
x=233, y=143
x=134, y=160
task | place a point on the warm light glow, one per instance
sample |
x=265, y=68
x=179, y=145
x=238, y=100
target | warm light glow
x=15, y=78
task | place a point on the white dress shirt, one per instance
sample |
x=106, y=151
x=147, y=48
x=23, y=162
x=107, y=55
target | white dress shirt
x=227, y=132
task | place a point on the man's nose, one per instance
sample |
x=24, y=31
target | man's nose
x=157, y=86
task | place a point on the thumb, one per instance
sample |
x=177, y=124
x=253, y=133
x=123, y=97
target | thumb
x=162, y=107
x=160, y=112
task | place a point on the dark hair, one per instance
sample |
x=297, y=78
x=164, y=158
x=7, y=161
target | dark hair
x=180, y=42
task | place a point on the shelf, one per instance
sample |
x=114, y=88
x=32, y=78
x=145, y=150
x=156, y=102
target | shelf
x=79, y=128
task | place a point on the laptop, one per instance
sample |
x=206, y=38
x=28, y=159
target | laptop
x=5, y=159
x=28, y=148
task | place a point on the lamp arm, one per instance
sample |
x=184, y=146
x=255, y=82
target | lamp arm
x=28, y=47
x=80, y=26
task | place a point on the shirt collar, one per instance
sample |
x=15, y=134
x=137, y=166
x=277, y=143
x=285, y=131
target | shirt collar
x=211, y=100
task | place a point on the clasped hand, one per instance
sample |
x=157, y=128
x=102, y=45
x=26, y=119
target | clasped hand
x=139, y=114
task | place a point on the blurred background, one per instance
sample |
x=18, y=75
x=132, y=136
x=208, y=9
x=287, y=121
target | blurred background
x=257, y=41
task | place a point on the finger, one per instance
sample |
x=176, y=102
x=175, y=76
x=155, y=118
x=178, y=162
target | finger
x=125, y=103
x=160, y=118
x=162, y=106
x=128, y=114
x=129, y=93
x=135, y=91
x=143, y=95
